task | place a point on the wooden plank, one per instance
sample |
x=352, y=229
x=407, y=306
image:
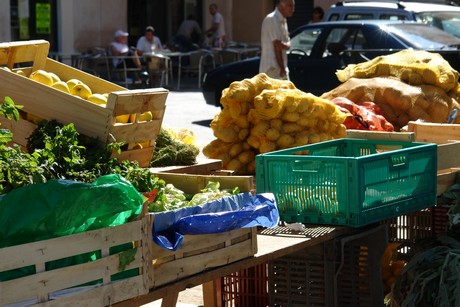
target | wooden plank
x=137, y=132
x=448, y=156
x=445, y=179
x=101, y=296
x=193, y=184
x=216, y=254
x=21, y=129
x=435, y=132
x=65, y=72
x=54, y=280
x=24, y=51
x=41, y=284
x=142, y=156
x=52, y=249
x=381, y=136
x=202, y=167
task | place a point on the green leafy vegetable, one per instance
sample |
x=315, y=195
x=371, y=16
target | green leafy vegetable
x=169, y=151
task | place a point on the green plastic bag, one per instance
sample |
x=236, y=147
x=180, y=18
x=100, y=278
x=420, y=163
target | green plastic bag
x=63, y=207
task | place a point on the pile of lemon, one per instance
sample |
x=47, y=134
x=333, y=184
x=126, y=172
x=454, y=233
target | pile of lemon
x=73, y=87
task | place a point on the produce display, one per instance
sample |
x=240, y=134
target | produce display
x=408, y=85
x=57, y=151
x=77, y=88
x=262, y=114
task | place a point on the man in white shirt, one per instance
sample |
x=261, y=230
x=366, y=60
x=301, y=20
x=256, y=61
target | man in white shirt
x=217, y=29
x=275, y=41
x=149, y=43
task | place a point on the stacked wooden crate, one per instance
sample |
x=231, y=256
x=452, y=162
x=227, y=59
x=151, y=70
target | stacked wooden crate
x=40, y=101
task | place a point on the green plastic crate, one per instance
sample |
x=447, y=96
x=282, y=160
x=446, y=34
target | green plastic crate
x=350, y=182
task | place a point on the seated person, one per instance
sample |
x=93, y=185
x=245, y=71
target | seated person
x=119, y=47
x=149, y=43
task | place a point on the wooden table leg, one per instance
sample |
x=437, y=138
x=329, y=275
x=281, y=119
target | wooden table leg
x=170, y=300
x=212, y=293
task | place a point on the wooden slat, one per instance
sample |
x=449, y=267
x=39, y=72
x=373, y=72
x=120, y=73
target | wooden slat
x=51, y=281
x=142, y=156
x=445, y=179
x=66, y=73
x=22, y=129
x=448, y=155
x=41, y=284
x=381, y=136
x=184, y=265
x=34, y=51
x=193, y=184
x=102, y=296
x=137, y=132
x=52, y=249
x=435, y=132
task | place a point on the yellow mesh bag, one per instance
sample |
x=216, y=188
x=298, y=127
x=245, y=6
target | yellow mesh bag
x=414, y=67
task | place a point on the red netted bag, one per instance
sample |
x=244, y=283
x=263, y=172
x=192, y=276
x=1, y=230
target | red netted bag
x=366, y=116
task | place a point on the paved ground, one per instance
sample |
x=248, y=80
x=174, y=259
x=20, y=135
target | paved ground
x=187, y=108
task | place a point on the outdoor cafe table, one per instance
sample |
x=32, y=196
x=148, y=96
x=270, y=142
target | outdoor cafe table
x=176, y=55
x=271, y=244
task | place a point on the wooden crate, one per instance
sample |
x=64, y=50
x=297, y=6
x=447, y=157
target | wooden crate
x=39, y=286
x=201, y=252
x=445, y=135
x=41, y=101
x=434, y=132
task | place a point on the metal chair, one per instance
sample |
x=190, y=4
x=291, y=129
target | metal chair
x=159, y=68
x=199, y=62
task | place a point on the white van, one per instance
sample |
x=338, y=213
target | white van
x=443, y=16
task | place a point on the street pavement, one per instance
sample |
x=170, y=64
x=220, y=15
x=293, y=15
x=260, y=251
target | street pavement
x=187, y=109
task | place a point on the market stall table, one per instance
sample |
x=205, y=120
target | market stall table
x=271, y=243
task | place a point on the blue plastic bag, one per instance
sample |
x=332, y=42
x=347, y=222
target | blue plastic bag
x=225, y=214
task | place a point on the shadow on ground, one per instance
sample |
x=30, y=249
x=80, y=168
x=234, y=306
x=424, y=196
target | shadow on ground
x=205, y=122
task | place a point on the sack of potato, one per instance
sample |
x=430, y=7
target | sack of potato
x=408, y=85
x=262, y=114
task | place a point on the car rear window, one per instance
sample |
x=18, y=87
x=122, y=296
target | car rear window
x=393, y=17
x=358, y=16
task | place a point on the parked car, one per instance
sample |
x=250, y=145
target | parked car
x=319, y=50
x=443, y=16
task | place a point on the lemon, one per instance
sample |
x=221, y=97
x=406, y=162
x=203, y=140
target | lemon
x=62, y=86
x=41, y=76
